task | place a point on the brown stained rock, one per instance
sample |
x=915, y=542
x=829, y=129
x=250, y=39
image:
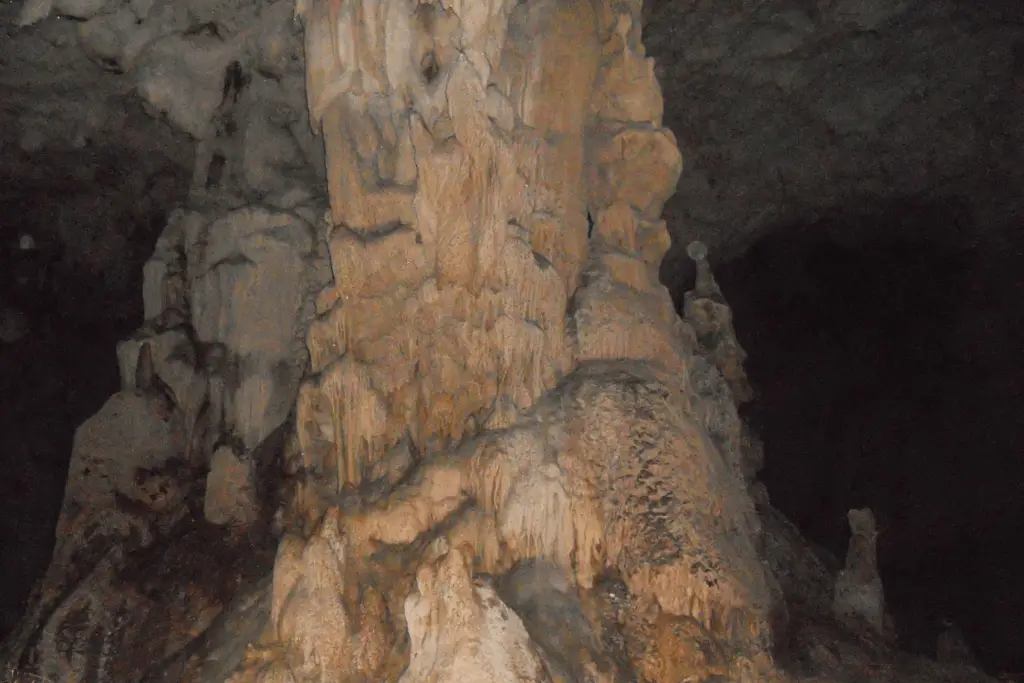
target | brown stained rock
x=628, y=90
x=618, y=322
x=490, y=370
x=375, y=206
x=375, y=265
x=130, y=435
x=468, y=328
x=230, y=497
x=498, y=311
x=125, y=484
x=179, y=587
x=225, y=644
x=334, y=625
x=666, y=647
x=559, y=44
x=120, y=604
x=619, y=152
x=485, y=288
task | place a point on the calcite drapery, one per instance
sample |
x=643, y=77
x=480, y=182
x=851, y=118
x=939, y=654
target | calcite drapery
x=451, y=280
x=497, y=378
x=496, y=173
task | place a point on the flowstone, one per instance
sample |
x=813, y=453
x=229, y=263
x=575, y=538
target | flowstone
x=500, y=400
x=530, y=440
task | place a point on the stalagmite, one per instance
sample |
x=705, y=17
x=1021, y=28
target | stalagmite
x=859, y=594
x=408, y=401
x=465, y=274
x=493, y=376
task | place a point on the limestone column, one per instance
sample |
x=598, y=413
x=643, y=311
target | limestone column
x=459, y=228
x=497, y=170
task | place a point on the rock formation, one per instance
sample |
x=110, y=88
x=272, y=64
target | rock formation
x=519, y=383
x=13, y=325
x=858, y=589
x=478, y=170
x=950, y=647
x=399, y=425
x=782, y=97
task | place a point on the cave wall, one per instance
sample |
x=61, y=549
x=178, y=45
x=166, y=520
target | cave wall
x=787, y=111
x=884, y=351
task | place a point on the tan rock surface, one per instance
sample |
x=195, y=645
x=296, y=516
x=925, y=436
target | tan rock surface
x=484, y=372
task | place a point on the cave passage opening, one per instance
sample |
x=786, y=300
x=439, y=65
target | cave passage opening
x=73, y=241
x=884, y=345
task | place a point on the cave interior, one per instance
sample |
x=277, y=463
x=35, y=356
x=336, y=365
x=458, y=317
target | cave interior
x=881, y=308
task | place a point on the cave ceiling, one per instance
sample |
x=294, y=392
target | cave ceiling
x=63, y=115
x=785, y=110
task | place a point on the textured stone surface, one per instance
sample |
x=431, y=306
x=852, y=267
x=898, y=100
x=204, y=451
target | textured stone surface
x=230, y=497
x=468, y=348
x=125, y=484
x=227, y=300
x=477, y=317
x=445, y=596
x=785, y=110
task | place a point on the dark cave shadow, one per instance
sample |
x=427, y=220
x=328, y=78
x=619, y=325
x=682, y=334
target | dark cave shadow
x=878, y=385
x=53, y=380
